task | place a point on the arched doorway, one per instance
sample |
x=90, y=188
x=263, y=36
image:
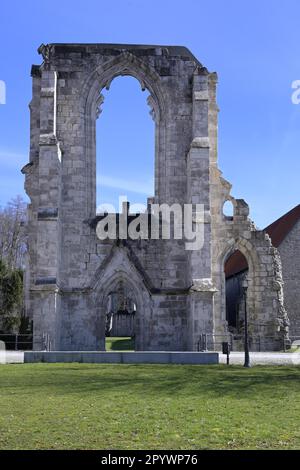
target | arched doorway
x=119, y=289
x=236, y=269
x=121, y=309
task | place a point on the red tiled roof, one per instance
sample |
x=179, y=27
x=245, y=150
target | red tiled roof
x=277, y=231
x=235, y=264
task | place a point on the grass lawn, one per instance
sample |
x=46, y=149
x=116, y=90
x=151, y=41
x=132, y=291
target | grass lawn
x=85, y=406
x=119, y=344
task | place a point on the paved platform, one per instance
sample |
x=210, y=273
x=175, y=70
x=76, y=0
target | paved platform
x=264, y=358
x=236, y=358
x=11, y=357
x=138, y=357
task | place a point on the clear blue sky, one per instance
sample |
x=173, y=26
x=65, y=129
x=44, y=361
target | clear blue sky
x=254, y=47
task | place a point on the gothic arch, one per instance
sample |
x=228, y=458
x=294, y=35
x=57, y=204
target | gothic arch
x=124, y=64
x=242, y=245
x=120, y=269
x=249, y=252
x=141, y=298
x=92, y=99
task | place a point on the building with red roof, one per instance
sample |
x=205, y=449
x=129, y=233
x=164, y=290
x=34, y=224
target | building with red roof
x=285, y=236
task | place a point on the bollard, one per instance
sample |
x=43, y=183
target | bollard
x=226, y=350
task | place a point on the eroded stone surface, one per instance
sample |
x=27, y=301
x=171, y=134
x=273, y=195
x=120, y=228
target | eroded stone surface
x=180, y=294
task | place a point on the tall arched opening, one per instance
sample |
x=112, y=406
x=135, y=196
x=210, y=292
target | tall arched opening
x=125, y=146
x=113, y=74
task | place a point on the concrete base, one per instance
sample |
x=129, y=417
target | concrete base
x=143, y=357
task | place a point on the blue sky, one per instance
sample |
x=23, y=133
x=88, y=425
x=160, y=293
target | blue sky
x=254, y=47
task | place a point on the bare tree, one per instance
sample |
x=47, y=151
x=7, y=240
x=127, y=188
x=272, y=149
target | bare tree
x=12, y=263
x=12, y=233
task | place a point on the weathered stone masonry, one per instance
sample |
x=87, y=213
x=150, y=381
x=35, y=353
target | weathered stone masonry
x=179, y=294
x=289, y=251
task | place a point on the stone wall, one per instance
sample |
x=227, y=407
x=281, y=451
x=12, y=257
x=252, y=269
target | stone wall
x=265, y=306
x=179, y=293
x=122, y=324
x=289, y=251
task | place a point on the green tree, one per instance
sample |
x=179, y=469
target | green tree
x=11, y=296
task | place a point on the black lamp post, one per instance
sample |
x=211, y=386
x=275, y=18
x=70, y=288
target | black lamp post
x=246, y=339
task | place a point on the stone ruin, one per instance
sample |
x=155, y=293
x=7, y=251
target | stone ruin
x=179, y=294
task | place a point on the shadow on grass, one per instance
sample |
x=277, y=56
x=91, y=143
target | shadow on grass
x=151, y=380
x=119, y=344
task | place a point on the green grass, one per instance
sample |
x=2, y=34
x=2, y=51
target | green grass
x=295, y=349
x=85, y=406
x=119, y=344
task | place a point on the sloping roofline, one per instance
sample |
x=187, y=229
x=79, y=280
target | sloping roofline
x=277, y=231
